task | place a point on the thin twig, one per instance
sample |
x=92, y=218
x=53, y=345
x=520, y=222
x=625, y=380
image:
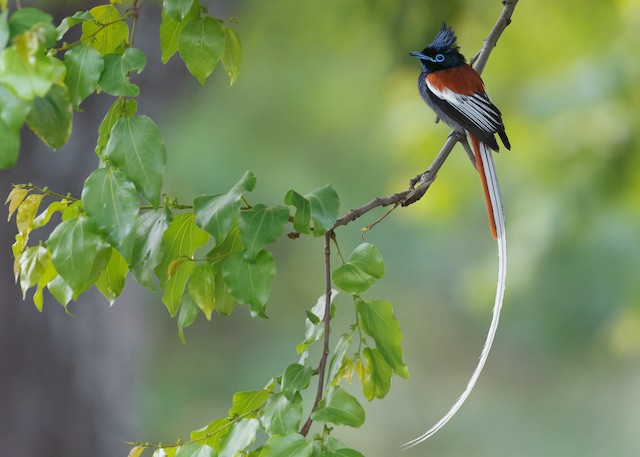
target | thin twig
x=413, y=194
x=134, y=11
x=46, y=191
x=327, y=321
x=101, y=27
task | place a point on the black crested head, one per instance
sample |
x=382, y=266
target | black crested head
x=442, y=53
x=445, y=40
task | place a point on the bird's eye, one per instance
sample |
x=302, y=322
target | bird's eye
x=439, y=58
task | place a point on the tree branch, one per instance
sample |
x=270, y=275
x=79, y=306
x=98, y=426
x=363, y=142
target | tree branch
x=413, y=193
x=326, y=321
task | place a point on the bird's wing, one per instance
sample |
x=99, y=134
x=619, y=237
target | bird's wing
x=466, y=103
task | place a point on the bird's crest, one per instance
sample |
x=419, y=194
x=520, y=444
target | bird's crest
x=445, y=40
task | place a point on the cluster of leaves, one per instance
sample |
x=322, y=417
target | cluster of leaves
x=204, y=256
x=107, y=233
x=277, y=409
x=42, y=90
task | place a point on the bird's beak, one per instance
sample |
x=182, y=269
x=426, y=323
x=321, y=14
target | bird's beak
x=419, y=55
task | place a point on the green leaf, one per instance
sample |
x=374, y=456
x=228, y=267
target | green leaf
x=296, y=377
x=367, y=258
x=312, y=317
x=136, y=148
x=338, y=357
x=60, y=290
x=351, y=279
x=291, y=445
x=201, y=45
x=339, y=408
x=25, y=18
x=170, y=29
x=232, y=55
x=70, y=21
x=9, y=145
x=241, y=435
x=111, y=200
x=195, y=450
x=247, y=402
x=79, y=253
x=315, y=327
x=177, y=9
x=179, y=241
x=73, y=210
x=51, y=116
x=147, y=249
x=202, y=285
x=33, y=263
x=217, y=213
x=280, y=415
x=230, y=245
x=212, y=434
x=111, y=281
x=114, y=79
x=377, y=321
x=225, y=301
x=120, y=108
x=250, y=280
x=325, y=206
x=302, y=218
x=260, y=226
x=108, y=32
x=376, y=377
x=187, y=315
x=29, y=76
x=332, y=444
x=84, y=66
x=13, y=109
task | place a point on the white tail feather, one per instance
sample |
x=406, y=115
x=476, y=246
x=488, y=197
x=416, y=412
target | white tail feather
x=498, y=215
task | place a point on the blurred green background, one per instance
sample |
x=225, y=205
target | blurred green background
x=327, y=94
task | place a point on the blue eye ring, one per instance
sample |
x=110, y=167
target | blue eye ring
x=439, y=58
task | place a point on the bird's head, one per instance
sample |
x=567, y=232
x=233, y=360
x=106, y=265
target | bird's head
x=442, y=53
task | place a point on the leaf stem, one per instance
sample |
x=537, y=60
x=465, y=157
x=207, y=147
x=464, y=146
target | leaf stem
x=47, y=191
x=67, y=46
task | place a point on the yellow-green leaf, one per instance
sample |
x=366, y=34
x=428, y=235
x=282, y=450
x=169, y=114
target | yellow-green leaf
x=232, y=55
x=16, y=196
x=111, y=281
x=108, y=32
x=179, y=241
x=27, y=212
x=202, y=288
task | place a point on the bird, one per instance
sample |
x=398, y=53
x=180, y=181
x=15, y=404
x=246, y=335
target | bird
x=455, y=91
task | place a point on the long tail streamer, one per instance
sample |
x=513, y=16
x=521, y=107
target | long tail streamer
x=486, y=168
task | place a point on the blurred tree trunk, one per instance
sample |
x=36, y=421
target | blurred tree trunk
x=68, y=384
